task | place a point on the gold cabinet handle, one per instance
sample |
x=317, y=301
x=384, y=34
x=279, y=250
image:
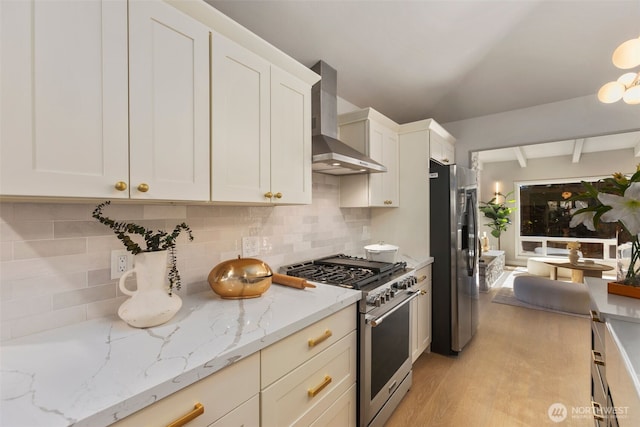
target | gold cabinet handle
x=121, y=186
x=445, y=160
x=422, y=278
x=278, y=195
x=268, y=195
x=315, y=341
x=596, y=409
x=423, y=292
x=595, y=317
x=597, y=358
x=143, y=188
x=198, y=409
x=313, y=391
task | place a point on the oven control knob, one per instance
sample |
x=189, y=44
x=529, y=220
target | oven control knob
x=392, y=293
x=379, y=300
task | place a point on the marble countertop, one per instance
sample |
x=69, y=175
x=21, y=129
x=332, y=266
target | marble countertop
x=612, y=306
x=97, y=372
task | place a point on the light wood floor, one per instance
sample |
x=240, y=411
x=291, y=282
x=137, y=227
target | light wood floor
x=519, y=363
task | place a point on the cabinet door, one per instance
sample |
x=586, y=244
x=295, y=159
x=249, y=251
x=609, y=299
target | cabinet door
x=383, y=147
x=240, y=156
x=290, y=139
x=421, y=315
x=63, y=125
x=441, y=150
x=169, y=102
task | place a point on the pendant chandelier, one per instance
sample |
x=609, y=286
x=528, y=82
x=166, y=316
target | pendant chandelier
x=627, y=87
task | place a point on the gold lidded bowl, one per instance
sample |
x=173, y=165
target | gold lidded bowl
x=240, y=278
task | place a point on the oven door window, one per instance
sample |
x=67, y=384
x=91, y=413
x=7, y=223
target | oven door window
x=389, y=348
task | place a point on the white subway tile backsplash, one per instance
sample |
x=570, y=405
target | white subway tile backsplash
x=46, y=321
x=25, y=307
x=165, y=211
x=36, y=286
x=25, y=230
x=48, y=248
x=55, y=258
x=83, y=296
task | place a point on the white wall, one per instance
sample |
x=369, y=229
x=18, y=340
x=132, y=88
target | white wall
x=508, y=173
x=559, y=121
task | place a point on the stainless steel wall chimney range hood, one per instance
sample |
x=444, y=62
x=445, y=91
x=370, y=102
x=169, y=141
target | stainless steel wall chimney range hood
x=329, y=155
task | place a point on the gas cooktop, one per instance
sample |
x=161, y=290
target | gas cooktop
x=347, y=271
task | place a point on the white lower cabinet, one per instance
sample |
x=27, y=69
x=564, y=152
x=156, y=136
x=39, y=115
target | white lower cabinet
x=305, y=379
x=421, y=314
x=229, y=398
x=341, y=413
x=305, y=376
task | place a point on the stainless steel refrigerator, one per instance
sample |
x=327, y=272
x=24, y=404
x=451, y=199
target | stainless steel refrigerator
x=454, y=247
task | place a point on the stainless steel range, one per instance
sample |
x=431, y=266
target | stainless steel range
x=384, y=326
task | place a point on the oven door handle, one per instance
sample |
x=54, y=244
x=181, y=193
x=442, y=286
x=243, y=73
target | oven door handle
x=378, y=320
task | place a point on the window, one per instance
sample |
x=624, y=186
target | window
x=544, y=214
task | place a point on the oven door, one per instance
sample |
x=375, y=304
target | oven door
x=385, y=358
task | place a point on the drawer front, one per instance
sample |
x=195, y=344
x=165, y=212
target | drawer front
x=216, y=393
x=342, y=413
x=245, y=415
x=303, y=395
x=294, y=350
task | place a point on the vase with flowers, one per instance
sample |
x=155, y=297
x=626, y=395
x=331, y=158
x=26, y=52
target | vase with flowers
x=616, y=200
x=153, y=302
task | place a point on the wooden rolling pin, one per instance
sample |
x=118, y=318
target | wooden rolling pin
x=294, y=282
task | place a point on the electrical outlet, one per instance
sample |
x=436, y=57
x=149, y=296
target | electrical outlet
x=250, y=246
x=121, y=261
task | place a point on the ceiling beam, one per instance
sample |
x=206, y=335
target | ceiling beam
x=577, y=150
x=519, y=152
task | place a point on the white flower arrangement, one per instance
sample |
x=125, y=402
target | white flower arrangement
x=617, y=200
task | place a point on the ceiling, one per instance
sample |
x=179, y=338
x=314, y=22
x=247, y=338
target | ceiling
x=574, y=148
x=449, y=60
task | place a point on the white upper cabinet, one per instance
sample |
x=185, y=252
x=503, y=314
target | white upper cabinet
x=376, y=136
x=240, y=152
x=261, y=129
x=169, y=103
x=64, y=129
x=290, y=138
x=441, y=148
x=91, y=108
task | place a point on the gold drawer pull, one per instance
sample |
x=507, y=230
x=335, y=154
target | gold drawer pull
x=143, y=188
x=594, y=317
x=596, y=409
x=313, y=391
x=597, y=358
x=268, y=195
x=315, y=341
x=198, y=409
x=121, y=186
x=422, y=278
x=278, y=195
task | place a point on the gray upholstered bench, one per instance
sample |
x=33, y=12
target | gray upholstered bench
x=552, y=294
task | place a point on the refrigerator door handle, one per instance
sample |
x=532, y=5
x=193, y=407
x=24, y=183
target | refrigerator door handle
x=472, y=235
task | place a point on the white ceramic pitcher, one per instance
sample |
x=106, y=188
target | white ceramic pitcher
x=151, y=304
